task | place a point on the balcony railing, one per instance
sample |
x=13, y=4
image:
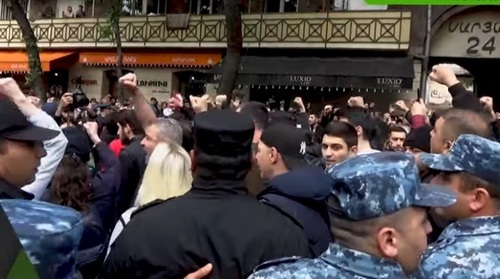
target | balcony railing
x=346, y=30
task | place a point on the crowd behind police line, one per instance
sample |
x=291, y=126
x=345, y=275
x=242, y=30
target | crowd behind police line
x=237, y=190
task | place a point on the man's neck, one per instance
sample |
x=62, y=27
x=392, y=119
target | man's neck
x=256, y=136
x=130, y=137
x=364, y=146
x=488, y=211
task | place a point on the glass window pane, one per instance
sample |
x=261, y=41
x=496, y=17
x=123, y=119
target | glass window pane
x=205, y=7
x=272, y=6
x=217, y=6
x=256, y=6
x=194, y=7
x=290, y=6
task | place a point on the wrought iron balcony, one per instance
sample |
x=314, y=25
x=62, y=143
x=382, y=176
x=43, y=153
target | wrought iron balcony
x=346, y=30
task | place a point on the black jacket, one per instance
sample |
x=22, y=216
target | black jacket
x=301, y=194
x=215, y=222
x=132, y=166
x=8, y=191
x=105, y=184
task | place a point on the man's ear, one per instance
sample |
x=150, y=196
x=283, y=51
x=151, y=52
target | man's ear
x=353, y=150
x=359, y=131
x=479, y=200
x=273, y=155
x=387, y=242
x=447, y=145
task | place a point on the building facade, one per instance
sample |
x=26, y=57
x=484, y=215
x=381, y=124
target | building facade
x=172, y=44
x=462, y=35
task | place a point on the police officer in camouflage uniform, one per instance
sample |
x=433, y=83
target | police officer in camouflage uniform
x=50, y=235
x=470, y=246
x=378, y=218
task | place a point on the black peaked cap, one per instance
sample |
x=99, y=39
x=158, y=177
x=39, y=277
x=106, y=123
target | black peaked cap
x=223, y=133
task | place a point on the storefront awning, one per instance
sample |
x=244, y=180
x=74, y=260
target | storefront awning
x=17, y=61
x=187, y=60
x=395, y=73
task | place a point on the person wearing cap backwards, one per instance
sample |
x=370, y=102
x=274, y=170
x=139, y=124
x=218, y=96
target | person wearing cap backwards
x=377, y=208
x=215, y=222
x=21, y=144
x=468, y=247
x=295, y=188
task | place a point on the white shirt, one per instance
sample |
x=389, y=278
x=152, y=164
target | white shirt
x=368, y=152
x=55, y=151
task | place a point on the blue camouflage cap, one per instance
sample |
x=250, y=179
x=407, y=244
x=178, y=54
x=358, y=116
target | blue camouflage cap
x=50, y=235
x=378, y=184
x=472, y=154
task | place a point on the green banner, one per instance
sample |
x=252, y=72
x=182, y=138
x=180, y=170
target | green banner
x=434, y=2
x=14, y=263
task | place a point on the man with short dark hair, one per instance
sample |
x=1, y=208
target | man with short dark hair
x=259, y=113
x=365, y=127
x=340, y=142
x=397, y=137
x=215, y=222
x=132, y=158
x=281, y=160
x=455, y=122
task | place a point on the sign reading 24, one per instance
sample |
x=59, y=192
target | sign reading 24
x=476, y=45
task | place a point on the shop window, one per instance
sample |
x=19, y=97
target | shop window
x=206, y=7
x=190, y=83
x=113, y=85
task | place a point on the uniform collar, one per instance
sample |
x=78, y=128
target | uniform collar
x=361, y=264
x=9, y=191
x=472, y=226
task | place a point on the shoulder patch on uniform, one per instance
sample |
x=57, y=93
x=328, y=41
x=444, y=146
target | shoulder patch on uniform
x=274, y=262
x=438, y=245
x=149, y=205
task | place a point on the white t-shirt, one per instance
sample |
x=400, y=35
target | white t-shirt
x=368, y=152
x=122, y=222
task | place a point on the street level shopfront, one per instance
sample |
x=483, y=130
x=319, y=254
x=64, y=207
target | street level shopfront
x=323, y=80
x=158, y=74
x=54, y=66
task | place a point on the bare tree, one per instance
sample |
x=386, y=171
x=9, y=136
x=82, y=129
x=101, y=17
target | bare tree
x=232, y=11
x=34, y=78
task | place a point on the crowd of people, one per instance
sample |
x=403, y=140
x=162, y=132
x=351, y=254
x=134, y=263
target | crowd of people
x=234, y=189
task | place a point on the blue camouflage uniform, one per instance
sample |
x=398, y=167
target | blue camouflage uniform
x=366, y=187
x=468, y=248
x=50, y=235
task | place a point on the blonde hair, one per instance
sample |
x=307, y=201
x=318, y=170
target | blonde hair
x=167, y=175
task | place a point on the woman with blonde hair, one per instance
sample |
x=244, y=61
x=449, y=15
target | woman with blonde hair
x=167, y=175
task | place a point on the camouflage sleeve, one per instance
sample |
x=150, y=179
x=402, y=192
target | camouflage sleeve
x=272, y=273
x=274, y=268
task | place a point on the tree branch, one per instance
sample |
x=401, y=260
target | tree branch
x=34, y=78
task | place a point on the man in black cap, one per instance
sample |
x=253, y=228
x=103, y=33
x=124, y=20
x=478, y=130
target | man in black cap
x=296, y=188
x=21, y=149
x=216, y=222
